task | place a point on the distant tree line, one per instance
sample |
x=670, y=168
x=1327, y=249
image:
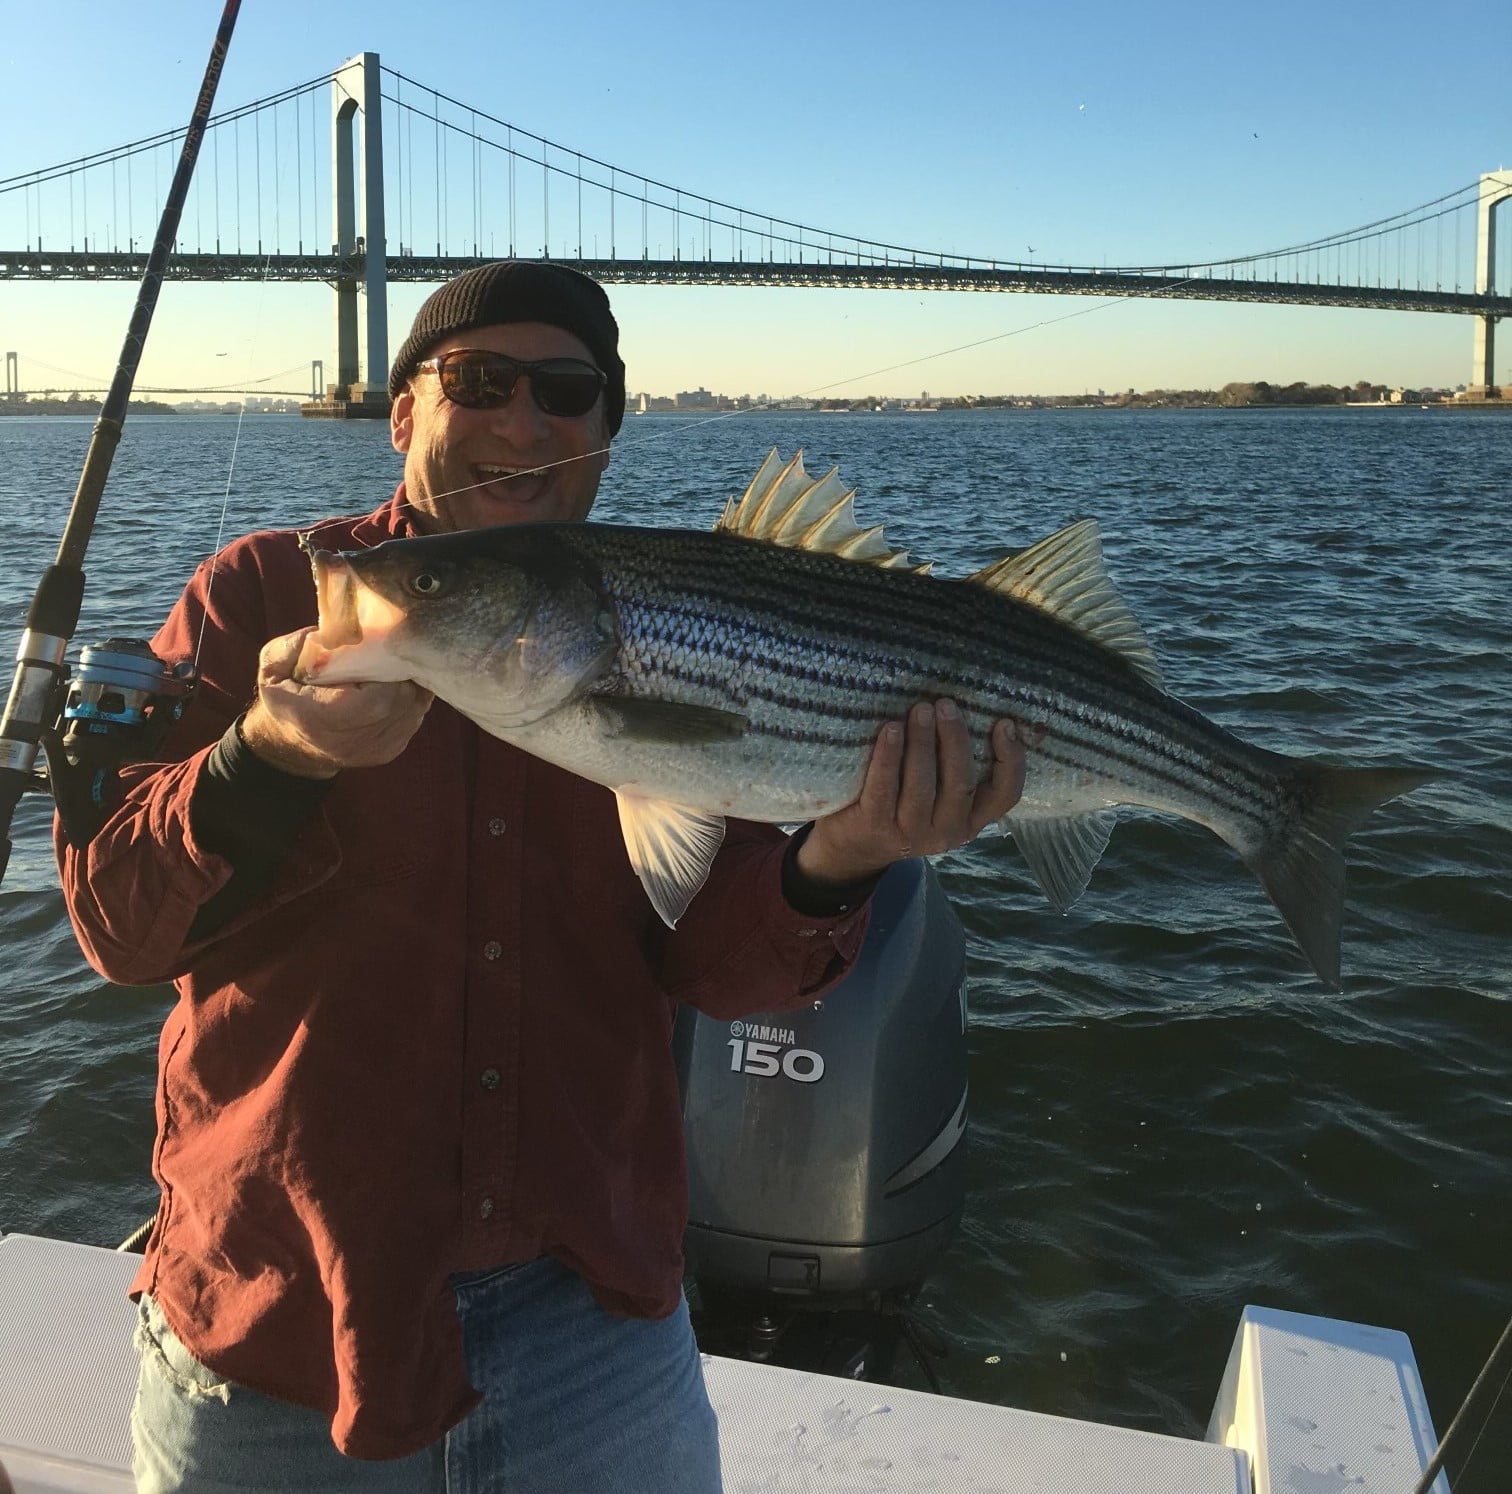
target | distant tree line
x=53, y=405
x=1260, y=392
x=1240, y=394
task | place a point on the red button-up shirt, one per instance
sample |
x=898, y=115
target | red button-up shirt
x=439, y=1041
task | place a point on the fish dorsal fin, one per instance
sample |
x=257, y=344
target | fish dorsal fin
x=785, y=506
x=1064, y=576
x=670, y=847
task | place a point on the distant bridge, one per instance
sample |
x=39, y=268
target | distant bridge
x=1034, y=280
x=461, y=187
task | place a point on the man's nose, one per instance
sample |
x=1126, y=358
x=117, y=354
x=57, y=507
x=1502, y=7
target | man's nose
x=520, y=418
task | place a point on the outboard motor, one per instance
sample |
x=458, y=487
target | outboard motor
x=825, y=1165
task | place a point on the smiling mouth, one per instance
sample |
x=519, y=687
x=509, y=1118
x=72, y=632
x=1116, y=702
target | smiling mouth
x=491, y=474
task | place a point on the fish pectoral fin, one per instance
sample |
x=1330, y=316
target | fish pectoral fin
x=667, y=721
x=1062, y=852
x=671, y=849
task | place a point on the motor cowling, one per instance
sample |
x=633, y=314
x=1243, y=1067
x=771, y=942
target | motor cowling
x=825, y=1156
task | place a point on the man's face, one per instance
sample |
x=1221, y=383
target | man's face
x=458, y=462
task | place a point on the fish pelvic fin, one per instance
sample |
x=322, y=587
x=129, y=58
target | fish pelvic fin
x=785, y=506
x=671, y=849
x=1301, y=868
x=1062, y=852
x=1064, y=576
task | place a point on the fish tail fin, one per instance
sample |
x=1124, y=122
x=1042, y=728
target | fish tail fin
x=1301, y=867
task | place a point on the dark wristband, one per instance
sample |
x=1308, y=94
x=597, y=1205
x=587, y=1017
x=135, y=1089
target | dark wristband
x=248, y=813
x=819, y=899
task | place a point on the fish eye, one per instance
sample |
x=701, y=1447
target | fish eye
x=426, y=583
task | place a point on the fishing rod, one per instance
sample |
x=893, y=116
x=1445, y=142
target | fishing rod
x=1499, y=1364
x=123, y=693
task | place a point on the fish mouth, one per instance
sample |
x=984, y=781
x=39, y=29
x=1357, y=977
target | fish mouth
x=338, y=621
x=335, y=599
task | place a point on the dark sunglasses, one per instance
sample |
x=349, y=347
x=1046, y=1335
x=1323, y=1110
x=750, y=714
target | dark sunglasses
x=479, y=380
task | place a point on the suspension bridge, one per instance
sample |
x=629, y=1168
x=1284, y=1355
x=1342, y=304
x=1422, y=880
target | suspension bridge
x=304, y=185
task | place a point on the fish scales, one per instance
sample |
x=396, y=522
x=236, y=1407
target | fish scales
x=772, y=634
x=700, y=674
x=807, y=609
x=785, y=636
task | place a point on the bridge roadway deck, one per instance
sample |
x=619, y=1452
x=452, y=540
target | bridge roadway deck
x=32, y=264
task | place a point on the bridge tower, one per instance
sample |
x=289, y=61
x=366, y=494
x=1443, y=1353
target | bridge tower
x=1495, y=188
x=361, y=387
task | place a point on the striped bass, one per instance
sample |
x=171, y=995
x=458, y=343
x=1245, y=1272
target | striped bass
x=747, y=671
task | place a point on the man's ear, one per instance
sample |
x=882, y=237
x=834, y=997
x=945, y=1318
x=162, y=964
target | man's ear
x=402, y=419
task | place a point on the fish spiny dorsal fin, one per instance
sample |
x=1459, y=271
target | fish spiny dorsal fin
x=1064, y=576
x=785, y=506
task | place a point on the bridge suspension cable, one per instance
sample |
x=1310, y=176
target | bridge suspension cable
x=463, y=184
x=570, y=164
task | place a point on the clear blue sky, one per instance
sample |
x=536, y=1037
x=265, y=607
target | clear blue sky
x=1094, y=133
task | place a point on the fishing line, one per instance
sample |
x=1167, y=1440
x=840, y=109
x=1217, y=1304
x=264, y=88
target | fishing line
x=241, y=416
x=683, y=430
x=1499, y=1362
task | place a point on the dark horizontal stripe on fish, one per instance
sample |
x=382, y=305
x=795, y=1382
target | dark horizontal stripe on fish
x=837, y=629
x=1246, y=795
x=1145, y=739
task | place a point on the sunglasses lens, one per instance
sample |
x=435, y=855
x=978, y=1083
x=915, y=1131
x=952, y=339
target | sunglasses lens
x=563, y=386
x=484, y=381
x=477, y=381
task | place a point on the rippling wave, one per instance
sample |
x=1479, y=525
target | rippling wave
x=1170, y=1118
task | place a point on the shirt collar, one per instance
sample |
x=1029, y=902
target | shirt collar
x=394, y=520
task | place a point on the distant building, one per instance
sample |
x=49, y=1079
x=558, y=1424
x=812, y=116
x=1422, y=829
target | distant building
x=696, y=399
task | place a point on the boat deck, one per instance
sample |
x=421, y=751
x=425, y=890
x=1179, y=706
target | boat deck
x=1306, y=1403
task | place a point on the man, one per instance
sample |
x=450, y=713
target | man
x=419, y=1147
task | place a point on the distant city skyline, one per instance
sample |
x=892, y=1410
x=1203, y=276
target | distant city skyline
x=1107, y=136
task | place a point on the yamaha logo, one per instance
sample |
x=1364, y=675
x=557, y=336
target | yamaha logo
x=771, y=1053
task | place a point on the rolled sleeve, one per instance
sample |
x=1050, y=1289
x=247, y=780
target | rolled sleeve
x=745, y=948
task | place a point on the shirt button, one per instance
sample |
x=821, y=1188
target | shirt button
x=492, y=950
x=496, y=826
x=485, y=1208
x=489, y=1078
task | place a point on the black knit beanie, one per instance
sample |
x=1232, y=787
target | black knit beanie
x=520, y=290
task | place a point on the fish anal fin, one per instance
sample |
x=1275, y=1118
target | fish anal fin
x=1062, y=852
x=785, y=506
x=667, y=721
x=671, y=849
x=1064, y=576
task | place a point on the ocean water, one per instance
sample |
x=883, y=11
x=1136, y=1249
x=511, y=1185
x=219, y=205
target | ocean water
x=1170, y=1117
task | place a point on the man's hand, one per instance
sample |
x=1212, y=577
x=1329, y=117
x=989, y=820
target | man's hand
x=313, y=731
x=920, y=797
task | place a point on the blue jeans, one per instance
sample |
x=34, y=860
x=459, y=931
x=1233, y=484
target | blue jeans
x=575, y=1402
